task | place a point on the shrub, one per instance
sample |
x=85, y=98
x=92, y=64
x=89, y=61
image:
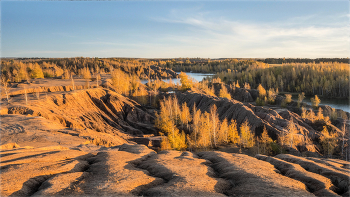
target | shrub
x=284, y=103
x=276, y=148
x=260, y=102
x=334, y=114
x=47, y=75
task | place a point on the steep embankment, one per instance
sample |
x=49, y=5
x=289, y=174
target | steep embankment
x=96, y=110
x=258, y=117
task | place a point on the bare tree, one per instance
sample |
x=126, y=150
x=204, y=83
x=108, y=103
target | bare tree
x=5, y=87
x=72, y=81
x=26, y=96
x=98, y=77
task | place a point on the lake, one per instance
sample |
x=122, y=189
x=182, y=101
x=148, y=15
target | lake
x=342, y=104
x=197, y=76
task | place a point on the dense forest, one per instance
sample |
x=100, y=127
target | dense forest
x=15, y=70
x=210, y=66
x=325, y=79
x=312, y=76
x=303, y=60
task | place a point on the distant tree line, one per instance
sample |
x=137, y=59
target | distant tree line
x=303, y=60
x=208, y=65
x=16, y=70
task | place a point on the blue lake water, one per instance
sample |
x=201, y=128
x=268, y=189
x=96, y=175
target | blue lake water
x=334, y=103
x=197, y=76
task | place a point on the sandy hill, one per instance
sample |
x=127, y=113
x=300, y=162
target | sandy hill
x=79, y=143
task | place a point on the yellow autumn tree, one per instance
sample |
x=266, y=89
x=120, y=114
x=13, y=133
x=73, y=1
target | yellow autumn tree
x=265, y=142
x=214, y=124
x=185, y=115
x=262, y=91
x=224, y=93
x=233, y=132
x=196, y=119
x=165, y=144
x=204, y=135
x=315, y=102
x=120, y=81
x=223, y=133
x=328, y=141
x=292, y=131
x=288, y=98
x=320, y=114
x=247, y=136
x=303, y=112
x=186, y=81
x=311, y=115
x=166, y=123
x=37, y=72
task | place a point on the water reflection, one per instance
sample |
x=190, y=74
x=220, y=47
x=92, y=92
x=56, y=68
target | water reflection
x=342, y=104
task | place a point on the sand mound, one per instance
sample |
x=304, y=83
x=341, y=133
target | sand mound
x=252, y=177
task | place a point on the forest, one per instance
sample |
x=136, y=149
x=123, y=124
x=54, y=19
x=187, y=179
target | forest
x=329, y=79
x=303, y=60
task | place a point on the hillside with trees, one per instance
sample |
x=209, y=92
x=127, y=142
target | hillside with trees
x=66, y=128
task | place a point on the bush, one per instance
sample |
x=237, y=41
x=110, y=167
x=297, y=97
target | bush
x=47, y=75
x=276, y=148
x=334, y=114
x=284, y=103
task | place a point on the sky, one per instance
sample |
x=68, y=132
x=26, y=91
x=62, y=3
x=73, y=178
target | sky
x=172, y=29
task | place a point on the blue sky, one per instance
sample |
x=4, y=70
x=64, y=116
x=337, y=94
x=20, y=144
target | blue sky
x=156, y=29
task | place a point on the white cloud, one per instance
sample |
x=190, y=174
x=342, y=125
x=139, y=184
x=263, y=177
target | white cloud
x=224, y=38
